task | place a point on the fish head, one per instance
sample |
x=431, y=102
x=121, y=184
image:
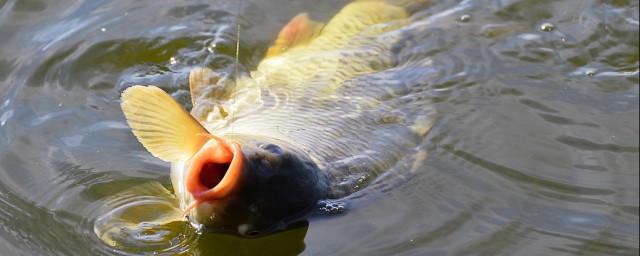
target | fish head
x=249, y=187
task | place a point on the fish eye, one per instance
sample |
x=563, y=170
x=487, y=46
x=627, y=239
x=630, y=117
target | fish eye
x=272, y=148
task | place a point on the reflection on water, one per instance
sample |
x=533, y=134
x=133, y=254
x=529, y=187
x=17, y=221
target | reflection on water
x=151, y=202
x=534, y=152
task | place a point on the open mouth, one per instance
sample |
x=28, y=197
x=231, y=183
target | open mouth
x=214, y=171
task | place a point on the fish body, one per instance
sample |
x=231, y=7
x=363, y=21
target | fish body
x=256, y=153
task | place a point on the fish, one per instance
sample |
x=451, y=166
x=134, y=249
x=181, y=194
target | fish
x=319, y=118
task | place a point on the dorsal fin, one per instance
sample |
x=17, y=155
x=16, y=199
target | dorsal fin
x=300, y=30
x=163, y=127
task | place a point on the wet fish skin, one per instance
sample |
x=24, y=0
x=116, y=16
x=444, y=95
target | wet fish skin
x=276, y=186
x=253, y=165
x=244, y=184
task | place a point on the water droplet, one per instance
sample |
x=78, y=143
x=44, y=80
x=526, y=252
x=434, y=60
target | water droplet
x=212, y=47
x=103, y=29
x=173, y=60
x=590, y=72
x=200, y=229
x=547, y=26
x=465, y=18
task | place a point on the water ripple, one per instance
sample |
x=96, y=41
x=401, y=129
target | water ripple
x=584, y=144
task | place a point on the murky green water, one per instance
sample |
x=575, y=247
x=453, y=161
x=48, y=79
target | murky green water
x=534, y=151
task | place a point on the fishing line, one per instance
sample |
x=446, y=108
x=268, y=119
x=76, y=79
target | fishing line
x=235, y=75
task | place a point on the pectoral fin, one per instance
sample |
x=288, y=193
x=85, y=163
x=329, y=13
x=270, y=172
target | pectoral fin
x=300, y=30
x=163, y=127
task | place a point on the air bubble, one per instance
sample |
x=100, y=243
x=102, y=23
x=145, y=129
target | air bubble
x=465, y=18
x=362, y=179
x=173, y=60
x=547, y=27
x=331, y=207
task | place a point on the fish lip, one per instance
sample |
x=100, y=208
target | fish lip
x=217, y=151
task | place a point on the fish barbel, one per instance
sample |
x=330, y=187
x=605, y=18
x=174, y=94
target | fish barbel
x=256, y=153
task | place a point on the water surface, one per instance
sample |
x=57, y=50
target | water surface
x=534, y=150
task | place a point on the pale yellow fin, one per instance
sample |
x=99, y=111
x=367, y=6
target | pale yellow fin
x=163, y=127
x=300, y=30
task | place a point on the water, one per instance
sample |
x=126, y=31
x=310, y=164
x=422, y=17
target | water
x=534, y=152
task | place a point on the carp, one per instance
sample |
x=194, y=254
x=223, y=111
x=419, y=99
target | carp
x=318, y=119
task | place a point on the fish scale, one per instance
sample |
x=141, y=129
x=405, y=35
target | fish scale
x=319, y=118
